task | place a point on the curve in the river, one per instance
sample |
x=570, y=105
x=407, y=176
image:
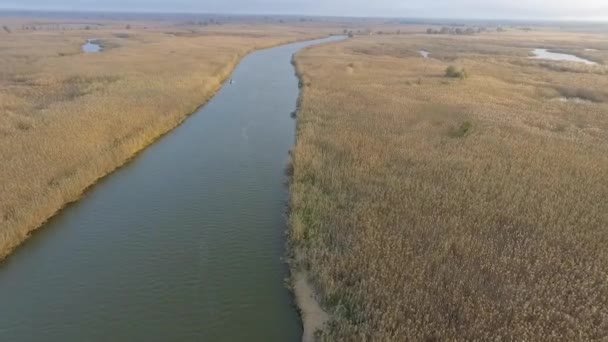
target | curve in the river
x=184, y=243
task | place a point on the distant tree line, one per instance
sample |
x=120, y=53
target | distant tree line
x=461, y=30
x=59, y=27
x=208, y=22
x=367, y=32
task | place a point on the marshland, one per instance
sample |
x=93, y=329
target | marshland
x=187, y=237
x=427, y=208
x=438, y=180
x=70, y=117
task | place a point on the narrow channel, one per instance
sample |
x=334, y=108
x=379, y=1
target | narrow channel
x=185, y=242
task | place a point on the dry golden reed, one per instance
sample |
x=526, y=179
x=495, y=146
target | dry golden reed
x=435, y=209
x=68, y=118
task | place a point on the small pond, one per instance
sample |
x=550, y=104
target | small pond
x=91, y=46
x=576, y=100
x=554, y=56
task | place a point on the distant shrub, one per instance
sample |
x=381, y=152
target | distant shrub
x=454, y=72
x=582, y=93
x=462, y=130
x=559, y=128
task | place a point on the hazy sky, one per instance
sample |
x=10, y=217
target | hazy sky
x=527, y=9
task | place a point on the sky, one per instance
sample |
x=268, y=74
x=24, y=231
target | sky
x=482, y=9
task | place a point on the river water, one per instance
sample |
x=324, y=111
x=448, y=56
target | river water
x=185, y=242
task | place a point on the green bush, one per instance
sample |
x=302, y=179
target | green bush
x=464, y=129
x=454, y=72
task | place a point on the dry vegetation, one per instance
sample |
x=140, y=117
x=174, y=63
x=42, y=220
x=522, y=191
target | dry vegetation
x=436, y=209
x=68, y=118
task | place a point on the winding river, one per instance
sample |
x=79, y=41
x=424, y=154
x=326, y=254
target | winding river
x=184, y=243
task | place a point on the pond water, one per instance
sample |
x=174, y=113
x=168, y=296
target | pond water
x=554, y=56
x=91, y=46
x=576, y=100
x=185, y=242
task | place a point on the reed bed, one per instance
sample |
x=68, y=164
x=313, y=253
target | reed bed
x=428, y=208
x=68, y=118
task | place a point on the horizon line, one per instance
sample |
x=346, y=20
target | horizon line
x=143, y=11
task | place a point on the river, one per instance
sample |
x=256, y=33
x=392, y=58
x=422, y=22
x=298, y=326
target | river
x=184, y=243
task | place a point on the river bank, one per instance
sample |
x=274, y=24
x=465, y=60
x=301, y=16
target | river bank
x=306, y=297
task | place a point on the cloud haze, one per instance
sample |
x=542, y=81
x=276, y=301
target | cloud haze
x=528, y=9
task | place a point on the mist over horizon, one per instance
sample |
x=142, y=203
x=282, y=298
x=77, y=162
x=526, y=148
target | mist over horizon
x=591, y=10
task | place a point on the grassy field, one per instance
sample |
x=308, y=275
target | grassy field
x=68, y=118
x=428, y=208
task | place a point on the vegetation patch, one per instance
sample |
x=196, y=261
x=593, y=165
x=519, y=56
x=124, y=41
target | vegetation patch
x=593, y=95
x=454, y=72
x=122, y=35
x=463, y=130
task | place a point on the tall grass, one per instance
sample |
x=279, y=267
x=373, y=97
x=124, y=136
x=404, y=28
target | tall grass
x=428, y=210
x=67, y=118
